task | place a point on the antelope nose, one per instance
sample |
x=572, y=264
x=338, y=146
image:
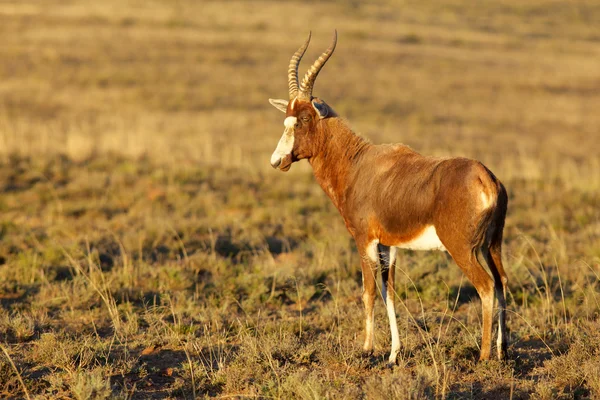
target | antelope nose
x=276, y=163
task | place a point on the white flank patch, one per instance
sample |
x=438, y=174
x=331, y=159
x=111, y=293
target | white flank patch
x=286, y=143
x=427, y=240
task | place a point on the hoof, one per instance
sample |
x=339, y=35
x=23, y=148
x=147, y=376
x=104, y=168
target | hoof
x=392, y=361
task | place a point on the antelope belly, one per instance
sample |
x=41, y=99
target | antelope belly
x=427, y=240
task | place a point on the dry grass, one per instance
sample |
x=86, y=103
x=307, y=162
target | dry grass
x=149, y=251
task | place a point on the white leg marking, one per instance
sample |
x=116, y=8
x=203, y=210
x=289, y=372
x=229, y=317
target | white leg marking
x=501, y=324
x=369, y=333
x=391, y=312
x=500, y=338
x=427, y=240
x=286, y=143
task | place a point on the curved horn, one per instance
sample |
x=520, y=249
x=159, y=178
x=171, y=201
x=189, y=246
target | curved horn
x=306, y=86
x=293, y=68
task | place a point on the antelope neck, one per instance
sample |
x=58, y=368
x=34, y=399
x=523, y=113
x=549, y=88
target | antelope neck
x=336, y=155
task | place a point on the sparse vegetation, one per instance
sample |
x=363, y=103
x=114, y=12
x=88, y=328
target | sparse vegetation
x=148, y=250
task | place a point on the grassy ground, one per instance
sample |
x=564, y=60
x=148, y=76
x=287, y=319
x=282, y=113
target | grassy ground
x=148, y=250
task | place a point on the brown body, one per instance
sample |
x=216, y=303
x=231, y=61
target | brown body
x=392, y=197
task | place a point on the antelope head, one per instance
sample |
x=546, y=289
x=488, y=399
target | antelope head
x=303, y=112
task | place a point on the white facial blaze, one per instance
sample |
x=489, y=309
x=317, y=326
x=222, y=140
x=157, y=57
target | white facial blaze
x=286, y=143
x=289, y=122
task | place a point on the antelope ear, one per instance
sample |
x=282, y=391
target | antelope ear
x=322, y=108
x=279, y=104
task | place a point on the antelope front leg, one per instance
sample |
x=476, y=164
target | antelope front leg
x=369, y=270
x=387, y=261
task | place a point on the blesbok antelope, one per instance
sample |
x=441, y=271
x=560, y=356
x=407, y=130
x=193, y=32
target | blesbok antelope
x=392, y=197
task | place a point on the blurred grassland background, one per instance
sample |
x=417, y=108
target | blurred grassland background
x=148, y=249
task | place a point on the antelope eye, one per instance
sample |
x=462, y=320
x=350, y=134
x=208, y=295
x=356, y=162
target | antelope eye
x=305, y=119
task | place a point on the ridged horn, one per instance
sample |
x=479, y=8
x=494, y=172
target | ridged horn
x=306, y=87
x=293, y=68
